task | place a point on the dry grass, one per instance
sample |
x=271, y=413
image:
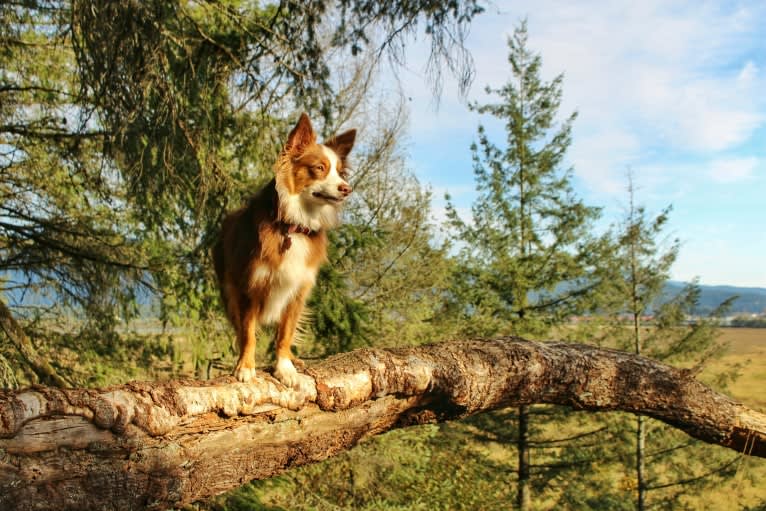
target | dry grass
x=747, y=355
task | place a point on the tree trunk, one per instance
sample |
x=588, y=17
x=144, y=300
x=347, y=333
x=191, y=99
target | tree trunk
x=523, y=498
x=157, y=444
x=640, y=465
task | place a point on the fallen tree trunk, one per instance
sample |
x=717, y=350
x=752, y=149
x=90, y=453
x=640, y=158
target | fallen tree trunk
x=152, y=445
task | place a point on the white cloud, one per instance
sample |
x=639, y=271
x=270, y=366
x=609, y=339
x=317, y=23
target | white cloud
x=669, y=88
x=748, y=74
x=707, y=115
x=733, y=169
x=672, y=81
x=605, y=170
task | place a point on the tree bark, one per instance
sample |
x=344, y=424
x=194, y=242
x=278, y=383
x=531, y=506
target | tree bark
x=523, y=493
x=641, y=463
x=157, y=444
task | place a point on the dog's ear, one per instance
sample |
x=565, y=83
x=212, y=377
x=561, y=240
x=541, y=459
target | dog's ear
x=300, y=137
x=342, y=143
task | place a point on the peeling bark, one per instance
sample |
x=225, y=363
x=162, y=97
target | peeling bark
x=153, y=445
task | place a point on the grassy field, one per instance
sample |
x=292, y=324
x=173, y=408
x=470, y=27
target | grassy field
x=746, y=355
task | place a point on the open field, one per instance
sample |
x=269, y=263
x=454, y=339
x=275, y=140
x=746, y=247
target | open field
x=747, y=354
x=745, y=341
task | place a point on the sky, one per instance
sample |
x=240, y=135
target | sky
x=675, y=91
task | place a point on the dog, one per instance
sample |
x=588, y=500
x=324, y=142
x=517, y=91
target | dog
x=269, y=252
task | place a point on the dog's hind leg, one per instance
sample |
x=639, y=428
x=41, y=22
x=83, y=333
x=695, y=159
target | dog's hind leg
x=246, y=328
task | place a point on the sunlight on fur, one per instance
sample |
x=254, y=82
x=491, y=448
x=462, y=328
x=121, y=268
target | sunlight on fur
x=269, y=251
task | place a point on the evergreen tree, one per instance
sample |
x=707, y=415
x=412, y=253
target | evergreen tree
x=527, y=253
x=68, y=235
x=647, y=322
x=126, y=128
x=527, y=258
x=402, y=277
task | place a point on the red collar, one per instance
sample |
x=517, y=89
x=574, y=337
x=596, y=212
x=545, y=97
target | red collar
x=284, y=227
x=288, y=229
x=300, y=229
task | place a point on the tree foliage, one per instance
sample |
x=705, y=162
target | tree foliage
x=69, y=239
x=666, y=467
x=528, y=257
x=128, y=128
x=527, y=254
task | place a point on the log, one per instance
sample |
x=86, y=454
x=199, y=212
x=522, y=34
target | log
x=153, y=445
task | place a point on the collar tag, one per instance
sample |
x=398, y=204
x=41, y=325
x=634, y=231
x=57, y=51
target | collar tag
x=288, y=229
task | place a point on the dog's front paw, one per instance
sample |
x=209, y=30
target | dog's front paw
x=244, y=372
x=286, y=373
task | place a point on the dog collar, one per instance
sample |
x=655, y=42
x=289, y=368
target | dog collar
x=300, y=229
x=288, y=229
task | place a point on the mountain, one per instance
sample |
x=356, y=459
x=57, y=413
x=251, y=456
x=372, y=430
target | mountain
x=750, y=299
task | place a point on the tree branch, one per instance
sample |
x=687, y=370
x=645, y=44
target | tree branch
x=694, y=479
x=15, y=334
x=153, y=445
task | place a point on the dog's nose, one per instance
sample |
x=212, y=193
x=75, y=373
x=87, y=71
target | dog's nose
x=344, y=188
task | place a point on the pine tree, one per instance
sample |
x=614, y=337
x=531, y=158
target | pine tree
x=126, y=128
x=527, y=258
x=652, y=324
x=68, y=243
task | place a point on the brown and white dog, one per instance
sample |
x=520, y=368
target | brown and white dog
x=270, y=250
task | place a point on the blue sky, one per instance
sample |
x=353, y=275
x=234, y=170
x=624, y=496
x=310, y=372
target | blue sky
x=675, y=91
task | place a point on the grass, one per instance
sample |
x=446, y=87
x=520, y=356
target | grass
x=746, y=355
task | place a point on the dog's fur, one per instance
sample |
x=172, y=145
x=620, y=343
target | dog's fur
x=270, y=250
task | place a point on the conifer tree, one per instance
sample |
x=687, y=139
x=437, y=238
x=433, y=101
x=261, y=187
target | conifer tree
x=67, y=233
x=126, y=128
x=645, y=320
x=527, y=258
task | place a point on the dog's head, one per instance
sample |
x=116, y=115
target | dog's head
x=311, y=178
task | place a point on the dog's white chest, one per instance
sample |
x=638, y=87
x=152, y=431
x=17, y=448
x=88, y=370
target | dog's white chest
x=284, y=283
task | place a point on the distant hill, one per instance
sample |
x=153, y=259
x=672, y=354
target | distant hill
x=751, y=299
